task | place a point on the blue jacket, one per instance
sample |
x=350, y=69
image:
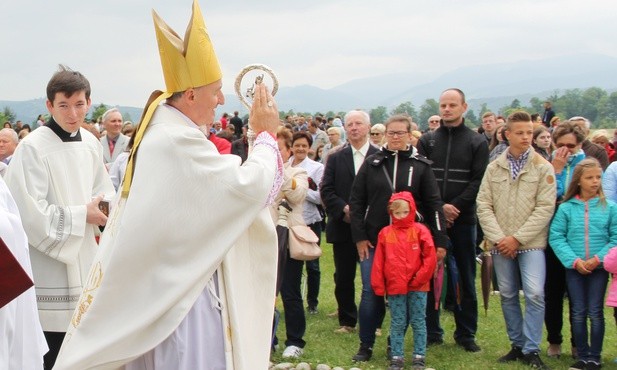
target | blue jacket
x=583, y=230
x=563, y=178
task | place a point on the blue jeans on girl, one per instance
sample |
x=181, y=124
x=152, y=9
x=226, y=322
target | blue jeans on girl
x=587, y=301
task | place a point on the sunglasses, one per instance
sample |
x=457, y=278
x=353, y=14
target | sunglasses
x=376, y=133
x=569, y=145
x=437, y=121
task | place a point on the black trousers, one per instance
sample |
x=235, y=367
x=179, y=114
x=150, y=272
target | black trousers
x=291, y=295
x=313, y=273
x=345, y=267
x=54, y=342
x=554, y=291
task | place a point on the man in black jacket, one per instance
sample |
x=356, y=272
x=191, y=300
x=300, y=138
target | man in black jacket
x=339, y=174
x=459, y=157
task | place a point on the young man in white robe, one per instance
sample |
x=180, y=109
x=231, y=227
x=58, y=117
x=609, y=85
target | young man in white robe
x=175, y=285
x=58, y=178
x=22, y=345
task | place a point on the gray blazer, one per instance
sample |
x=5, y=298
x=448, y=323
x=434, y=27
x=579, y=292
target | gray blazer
x=120, y=146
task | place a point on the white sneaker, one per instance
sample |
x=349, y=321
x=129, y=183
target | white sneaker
x=292, y=352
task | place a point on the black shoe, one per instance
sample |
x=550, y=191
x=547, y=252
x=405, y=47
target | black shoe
x=592, y=365
x=312, y=310
x=579, y=365
x=469, y=345
x=515, y=354
x=533, y=359
x=364, y=353
x=434, y=341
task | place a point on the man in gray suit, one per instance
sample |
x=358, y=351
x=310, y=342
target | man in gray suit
x=113, y=142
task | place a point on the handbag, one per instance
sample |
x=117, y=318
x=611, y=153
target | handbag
x=303, y=243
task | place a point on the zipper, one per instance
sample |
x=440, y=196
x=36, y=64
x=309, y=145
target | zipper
x=394, y=172
x=586, y=230
x=446, y=166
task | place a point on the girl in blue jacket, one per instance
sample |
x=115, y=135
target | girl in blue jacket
x=582, y=232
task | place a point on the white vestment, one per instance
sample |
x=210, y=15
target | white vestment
x=190, y=212
x=22, y=344
x=52, y=181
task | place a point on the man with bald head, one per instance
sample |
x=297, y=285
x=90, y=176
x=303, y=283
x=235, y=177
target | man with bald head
x=8, y=143
x=114, y=142
x=460, y=156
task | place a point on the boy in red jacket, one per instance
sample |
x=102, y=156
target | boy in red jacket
x=404, y=264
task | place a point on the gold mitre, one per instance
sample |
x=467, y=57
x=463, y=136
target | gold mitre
x=187, y=64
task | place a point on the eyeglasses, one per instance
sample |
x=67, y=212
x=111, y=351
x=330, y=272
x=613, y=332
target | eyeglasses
x=396, y=133
x=569, y=145
x=376, y=133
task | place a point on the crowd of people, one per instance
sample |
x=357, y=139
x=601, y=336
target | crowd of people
x=519, y=187
x=538, y=197
x=126, y=229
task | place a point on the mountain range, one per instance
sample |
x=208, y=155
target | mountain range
x=495, y=85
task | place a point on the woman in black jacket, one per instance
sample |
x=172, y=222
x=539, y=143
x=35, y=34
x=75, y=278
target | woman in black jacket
x=395, y=168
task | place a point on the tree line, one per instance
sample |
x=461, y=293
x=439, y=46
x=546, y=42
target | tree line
x=594, y=103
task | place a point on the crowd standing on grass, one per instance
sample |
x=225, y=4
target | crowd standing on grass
x=393, y=201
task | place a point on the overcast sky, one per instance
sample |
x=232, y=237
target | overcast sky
x=319, y=42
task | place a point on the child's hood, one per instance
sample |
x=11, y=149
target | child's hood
x=410, y=219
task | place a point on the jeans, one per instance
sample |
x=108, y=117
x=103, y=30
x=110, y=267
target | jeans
x=524, y=332
x=345, y=266
x=313, y=274
x=587, y=301
x=463, y=248
x=372, y=307
x=406, y=310
x=291, y=295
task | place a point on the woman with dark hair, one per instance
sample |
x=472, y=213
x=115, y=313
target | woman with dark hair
x=568, y=138
x=499, y=143
x=542, y=142
x=295, y=320
x=286, y=211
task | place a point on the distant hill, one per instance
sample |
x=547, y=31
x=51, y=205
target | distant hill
x=496, y=85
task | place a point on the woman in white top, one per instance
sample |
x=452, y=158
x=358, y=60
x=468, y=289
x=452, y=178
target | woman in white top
x=291, y=294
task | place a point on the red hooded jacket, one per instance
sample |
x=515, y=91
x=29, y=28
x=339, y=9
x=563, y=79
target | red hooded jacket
x=405, y=257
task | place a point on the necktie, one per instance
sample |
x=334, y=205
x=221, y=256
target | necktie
x=112, y=144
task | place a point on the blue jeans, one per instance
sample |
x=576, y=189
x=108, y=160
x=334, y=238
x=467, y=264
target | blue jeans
x=587, y=300
x=524, y=332
x=463, y=248
x=409, y=309
x=372, y=307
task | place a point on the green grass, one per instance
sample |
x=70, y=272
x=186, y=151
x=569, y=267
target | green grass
x=324, y=346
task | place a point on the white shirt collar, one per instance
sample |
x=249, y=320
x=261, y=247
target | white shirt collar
x=363, y=150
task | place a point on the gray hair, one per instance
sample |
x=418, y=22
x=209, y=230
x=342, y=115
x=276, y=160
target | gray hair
x=12, y=134
x=365, y=117
x=108, y=112
x=583, y=119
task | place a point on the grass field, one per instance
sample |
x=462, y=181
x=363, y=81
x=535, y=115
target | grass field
x=324, y=346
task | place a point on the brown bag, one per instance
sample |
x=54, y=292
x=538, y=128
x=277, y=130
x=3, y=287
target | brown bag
x=303, y=243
